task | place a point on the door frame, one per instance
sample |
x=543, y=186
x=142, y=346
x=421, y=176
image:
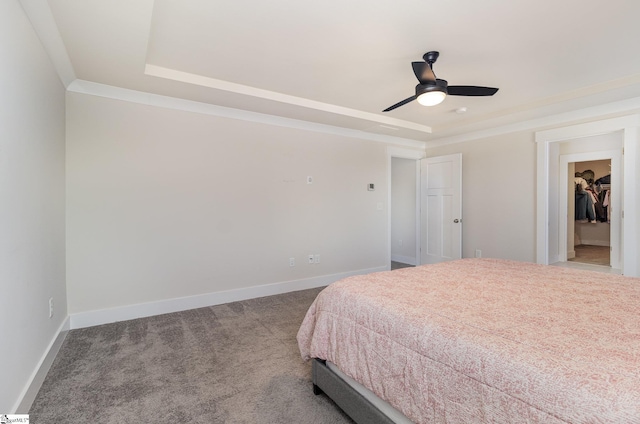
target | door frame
x=547, y=184
x=397, y=152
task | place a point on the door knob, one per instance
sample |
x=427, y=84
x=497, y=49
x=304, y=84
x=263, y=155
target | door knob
x=457, y=220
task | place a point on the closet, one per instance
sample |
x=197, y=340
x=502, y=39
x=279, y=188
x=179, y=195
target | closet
x=592, y=213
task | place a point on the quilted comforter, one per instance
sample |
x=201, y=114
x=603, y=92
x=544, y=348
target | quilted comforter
x=485, y=340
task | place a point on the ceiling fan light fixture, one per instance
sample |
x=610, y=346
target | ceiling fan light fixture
x=431, y=94
x=431, y=98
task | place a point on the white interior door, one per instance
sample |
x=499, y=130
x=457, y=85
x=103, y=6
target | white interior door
x=441, y=208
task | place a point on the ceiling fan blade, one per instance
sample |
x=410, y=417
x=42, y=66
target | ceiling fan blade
x=470, y=90
x=423, y=72
x=402, y=103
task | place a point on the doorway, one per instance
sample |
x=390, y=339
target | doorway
x=403, y=212
x=551, y=192
x=411, y=159
x=576, y=214
x=424, y=195
x=589, y=213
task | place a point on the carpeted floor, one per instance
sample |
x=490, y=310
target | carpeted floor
x=595, y=255
x=233, y=363
x=399, y=265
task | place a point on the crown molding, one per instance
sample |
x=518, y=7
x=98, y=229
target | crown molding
x=167, y=102
x=590, y=113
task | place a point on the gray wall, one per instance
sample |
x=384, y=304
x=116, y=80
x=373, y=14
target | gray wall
x=32, y=221
x=164, y=204
x=498, y=195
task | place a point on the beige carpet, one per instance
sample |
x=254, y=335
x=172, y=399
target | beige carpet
x=233, y=363
x=595, y=255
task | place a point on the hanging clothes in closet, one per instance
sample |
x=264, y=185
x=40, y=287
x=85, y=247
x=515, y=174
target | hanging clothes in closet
x=603, y=185
x=585, y=210
x=592, y=200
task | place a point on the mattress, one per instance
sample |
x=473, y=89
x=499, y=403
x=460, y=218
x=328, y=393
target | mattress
x=485, y=340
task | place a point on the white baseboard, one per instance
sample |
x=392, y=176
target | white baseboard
x=571, y=254
x=404, y=259
x=34, y=383
x=105, y=316
x=596, y=242
x=141, y=310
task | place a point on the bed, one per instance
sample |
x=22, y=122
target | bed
x=479, y=340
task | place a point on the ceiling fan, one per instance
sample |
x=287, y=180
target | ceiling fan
x=432, y=91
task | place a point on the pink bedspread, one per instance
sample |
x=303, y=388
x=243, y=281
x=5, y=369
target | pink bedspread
x=484, y=340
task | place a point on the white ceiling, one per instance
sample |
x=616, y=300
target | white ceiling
x=341, y=62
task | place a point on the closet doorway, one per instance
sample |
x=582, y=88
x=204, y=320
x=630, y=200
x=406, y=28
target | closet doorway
x=597, y=235
x=614, y=135
x=588, y=215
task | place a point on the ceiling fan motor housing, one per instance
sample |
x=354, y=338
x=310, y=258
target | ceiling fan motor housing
x=440, y=85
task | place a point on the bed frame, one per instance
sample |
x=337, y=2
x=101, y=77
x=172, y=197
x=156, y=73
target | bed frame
x=354, y=404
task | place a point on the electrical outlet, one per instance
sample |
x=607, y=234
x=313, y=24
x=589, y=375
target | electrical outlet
x=311, y=259
x=316, y=258
x=478, y=253
x=51, y=307
x=292, y=261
